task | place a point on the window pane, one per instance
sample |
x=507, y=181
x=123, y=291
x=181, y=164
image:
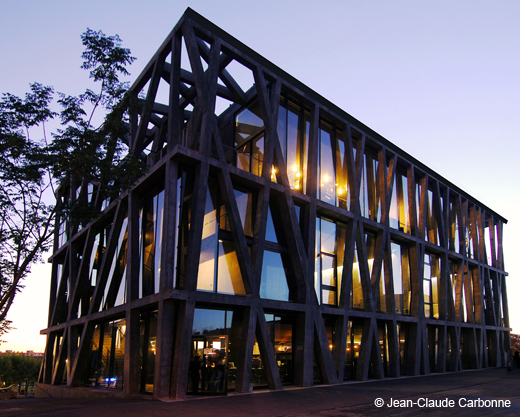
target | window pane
x=342, y=172
x=206, y=276
x=273, y=284
x=328, y=297
x=327, y=179
x=357, y=289
x=282, y=128
x=327, y=271
x=249, y=123
x=270, y=232
x=328, y=236
x=257, y=155
x=245, y=209
x=229, y=276
x=293, y=151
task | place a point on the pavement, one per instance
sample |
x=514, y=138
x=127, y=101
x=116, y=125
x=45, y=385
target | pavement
x=469, y=393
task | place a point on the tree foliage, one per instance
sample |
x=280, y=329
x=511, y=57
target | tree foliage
x=16, y=368
x=86, y=148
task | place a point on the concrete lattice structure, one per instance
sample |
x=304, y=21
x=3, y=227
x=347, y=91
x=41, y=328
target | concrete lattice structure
x=275, y=236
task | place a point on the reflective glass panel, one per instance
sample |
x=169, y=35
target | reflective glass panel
x=327, y=178
x=206, y=276
x=273, y=284
x=229, y=278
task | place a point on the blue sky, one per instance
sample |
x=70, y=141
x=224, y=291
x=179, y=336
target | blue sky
x=440, y=79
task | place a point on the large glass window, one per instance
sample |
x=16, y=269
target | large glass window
x=431, y=286
x=249, y=139
x=107, y=355
x=332, y=179
x=354, y=336
x=115, y=288
x=219, y=269
x=370, y=194
x=330, y=250
x=401, y=278
x=214, y=353
x=356, y=292
x=403, y=330
x=470, y=241
x=148, y=343
x=454, y=228
x=293, y=133
x=281, y=332
x=151, y=239
x=432, y=228
x=399, y=209
x=453, y=284
x=273, y=284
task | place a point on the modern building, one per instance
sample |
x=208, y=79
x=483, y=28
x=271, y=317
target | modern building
x=274, y=236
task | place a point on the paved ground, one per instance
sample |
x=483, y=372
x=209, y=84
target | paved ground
x=464, y=389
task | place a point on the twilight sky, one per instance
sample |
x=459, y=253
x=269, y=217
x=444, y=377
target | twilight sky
x=440, y=79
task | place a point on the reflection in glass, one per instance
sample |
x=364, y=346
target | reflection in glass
x=432, y=230
x=330, y=249
x=249, y=139
x=215, y=342
x=244, y=202
x=431, y=286
x=281, y=331
x=327, y=176
x=219, y=269
x=270, y=231
x=354, y=335
x=273, y=284
x=293, y=133
x=401, y=278
x=151, y=231
x=106, y=357
x=206, y=276
x=370, y=195
x=245, y=209
x=148, y=342
x=454, y=229
x=356, y=293
x=399, y=211
x=116, y=283
x=229, y=279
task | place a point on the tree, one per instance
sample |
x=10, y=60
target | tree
x=79, y=150
x=16, y=368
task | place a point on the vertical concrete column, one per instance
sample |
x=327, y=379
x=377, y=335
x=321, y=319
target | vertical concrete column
x=132, y=339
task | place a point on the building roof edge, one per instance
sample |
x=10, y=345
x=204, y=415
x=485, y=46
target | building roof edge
x=292, y=81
